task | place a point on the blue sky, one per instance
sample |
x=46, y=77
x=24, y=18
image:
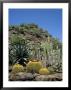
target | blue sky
x=48, y=19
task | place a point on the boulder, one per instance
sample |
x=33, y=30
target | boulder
x=52, y=77
x=28, y=76
x=21, y=76
x=36, y=74
x=17, y=76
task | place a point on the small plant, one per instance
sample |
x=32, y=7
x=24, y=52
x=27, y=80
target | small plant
x=17, y=68
x=51, y=69
x=34, y=66
x=43, y=71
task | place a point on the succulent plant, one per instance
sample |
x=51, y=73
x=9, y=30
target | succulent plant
x=34, y=66
x=17, y=68
x=43, y=71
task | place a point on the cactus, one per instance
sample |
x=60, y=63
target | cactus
x=17, y=68
x=46, y=47
x=34, y=66
x=43, y=71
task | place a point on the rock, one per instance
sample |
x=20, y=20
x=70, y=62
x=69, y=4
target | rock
x=17, y=76
x=29, y=76
x=52, y=77
x=13, y=77
x=21, y=76
x=41, y=78
x=36, y=74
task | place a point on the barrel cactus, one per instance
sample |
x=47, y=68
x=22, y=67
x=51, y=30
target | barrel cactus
x=34, y=66
x=43, y=71
x=17, y=68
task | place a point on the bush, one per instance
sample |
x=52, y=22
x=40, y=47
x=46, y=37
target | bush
x=17, y=68
x=43, y=71
x=51, y=69
x=34, y=66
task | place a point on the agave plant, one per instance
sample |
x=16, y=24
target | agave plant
x=20, y=50
x=21, y=54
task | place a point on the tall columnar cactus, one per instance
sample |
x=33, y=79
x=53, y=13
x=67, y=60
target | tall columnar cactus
x=47, y=47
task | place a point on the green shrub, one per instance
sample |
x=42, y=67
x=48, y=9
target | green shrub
x=51, y=70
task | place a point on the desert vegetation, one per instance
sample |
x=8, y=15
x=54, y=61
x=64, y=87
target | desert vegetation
x=34, y=54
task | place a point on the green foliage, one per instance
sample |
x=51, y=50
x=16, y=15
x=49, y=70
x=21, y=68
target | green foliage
x=11, y=55
x=11, y=27
x=15, y=39
x=30, y=41
x=51, y=69
x=29, y=26
x=20, y=50
x=45, y=48
x=34, y=66
x=55, y=43
x=57, y=67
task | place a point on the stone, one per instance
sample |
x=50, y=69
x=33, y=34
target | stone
x=21, y=76
x=29, y=76
x=41, y=78
x=36, y=74
x=17, y=76
x=52, y=77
